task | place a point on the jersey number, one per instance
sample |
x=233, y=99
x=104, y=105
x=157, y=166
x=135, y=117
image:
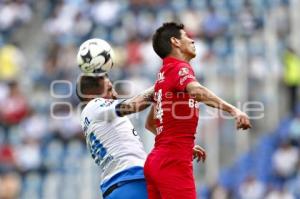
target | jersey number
x=98, y=151
x=159, y=111
x=86, y=124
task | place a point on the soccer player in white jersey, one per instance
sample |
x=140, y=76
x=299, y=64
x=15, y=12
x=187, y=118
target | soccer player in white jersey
x=111, y=138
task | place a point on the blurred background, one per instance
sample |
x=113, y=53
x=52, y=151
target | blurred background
x=247, y=53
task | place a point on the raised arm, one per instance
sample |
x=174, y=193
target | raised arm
x=202, y=94
x=135, y=104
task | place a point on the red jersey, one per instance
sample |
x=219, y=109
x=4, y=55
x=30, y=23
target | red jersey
x=176, y=111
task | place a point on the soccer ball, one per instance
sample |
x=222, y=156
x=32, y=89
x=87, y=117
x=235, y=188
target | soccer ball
x=95, y=56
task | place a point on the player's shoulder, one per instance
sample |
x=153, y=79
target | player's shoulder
x=181, y=69
x=180, y=65
x=99, y=103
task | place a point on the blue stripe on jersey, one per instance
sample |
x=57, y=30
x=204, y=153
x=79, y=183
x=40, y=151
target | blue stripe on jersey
x=132, y=173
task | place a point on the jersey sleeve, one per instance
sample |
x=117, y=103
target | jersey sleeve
x=104, y=109
x=183, y=75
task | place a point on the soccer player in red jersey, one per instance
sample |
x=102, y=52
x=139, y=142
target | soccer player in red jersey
x=168, y=168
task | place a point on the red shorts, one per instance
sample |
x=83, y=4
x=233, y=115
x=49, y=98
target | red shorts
x=168, y=176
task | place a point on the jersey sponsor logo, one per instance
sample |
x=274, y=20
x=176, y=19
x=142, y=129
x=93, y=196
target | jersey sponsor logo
x=104, y=102
x=183, y=79
x=183, y=71
x=193, y=103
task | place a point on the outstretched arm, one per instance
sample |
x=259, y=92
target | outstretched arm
x=202, y=94
x=135, y=104
x=108, y=109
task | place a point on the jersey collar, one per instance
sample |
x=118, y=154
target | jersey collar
x=169, y=59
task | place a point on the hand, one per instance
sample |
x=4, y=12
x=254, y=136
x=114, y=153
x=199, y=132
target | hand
x=199, y=153
x=242, y=120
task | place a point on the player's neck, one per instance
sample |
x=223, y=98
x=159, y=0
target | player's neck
x=180, y=56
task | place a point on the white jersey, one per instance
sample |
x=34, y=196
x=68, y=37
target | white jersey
x=113, y=142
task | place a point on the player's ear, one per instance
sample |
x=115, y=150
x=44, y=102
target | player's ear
x=175, y=41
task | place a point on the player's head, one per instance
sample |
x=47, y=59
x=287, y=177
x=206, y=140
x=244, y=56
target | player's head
x=90, y=86
x=171, y=37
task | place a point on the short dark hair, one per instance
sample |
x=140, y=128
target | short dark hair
x=161, y=40
x=88, y=86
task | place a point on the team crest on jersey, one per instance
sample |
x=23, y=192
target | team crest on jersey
x=183, y=72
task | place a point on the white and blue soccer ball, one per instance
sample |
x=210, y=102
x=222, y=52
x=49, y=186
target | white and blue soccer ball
x=95, y=56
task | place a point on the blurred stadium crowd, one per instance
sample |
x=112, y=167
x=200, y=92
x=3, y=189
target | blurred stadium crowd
x=244, y=53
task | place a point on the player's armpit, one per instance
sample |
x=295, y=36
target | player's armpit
x=136, y=104
x=150, y=121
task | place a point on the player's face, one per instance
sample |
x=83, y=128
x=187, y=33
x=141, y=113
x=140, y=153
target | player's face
x=187, y=45
x=109, y=91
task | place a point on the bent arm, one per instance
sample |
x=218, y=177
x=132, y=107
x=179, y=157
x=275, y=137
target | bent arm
x=135, y=104
x=150, y=121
